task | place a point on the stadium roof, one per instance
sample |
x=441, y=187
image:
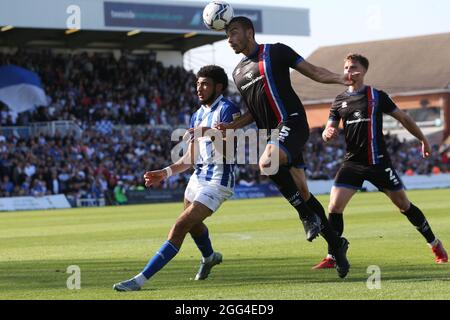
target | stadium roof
x=400, y=66
x=130, y=24
x=56, y=38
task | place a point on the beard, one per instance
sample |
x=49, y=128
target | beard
x=236, y=49
x=239, y=48
x=209, y=100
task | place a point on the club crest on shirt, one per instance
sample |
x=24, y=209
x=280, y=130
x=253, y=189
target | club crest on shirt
x=344, y=105
x=249, y=76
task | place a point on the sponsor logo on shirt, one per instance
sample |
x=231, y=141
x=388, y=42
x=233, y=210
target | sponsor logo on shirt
x=357, y=121
x=359, y=118
x=251, y=82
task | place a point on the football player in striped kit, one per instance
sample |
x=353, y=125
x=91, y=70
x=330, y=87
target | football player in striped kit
x=263, y=80
x=209, y=186
x=361, y=109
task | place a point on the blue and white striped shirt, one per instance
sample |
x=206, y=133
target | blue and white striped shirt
x=221, y=110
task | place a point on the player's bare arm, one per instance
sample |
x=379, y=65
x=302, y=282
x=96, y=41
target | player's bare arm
x=184, y=163
x=205, y=132
x=323, y=75
x=331, y=131
x=241, y=122
x=412, y=128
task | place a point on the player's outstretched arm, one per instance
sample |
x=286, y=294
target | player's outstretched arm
x=184, y=163
x=412, y=128
x=331, y=131
x=323, y=75
x=241, y=122
x=204, y=132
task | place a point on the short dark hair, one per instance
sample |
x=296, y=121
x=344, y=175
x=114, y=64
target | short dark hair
x=359, y=58
x=216, y=73
x=244, y=22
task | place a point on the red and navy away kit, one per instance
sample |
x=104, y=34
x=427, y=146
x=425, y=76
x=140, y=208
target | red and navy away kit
x=263, y=80
x=362, y=115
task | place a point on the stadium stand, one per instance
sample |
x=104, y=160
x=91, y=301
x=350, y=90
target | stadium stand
x=126, y=109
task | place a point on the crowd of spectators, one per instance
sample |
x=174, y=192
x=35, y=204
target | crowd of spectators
x=118, y=103
x=90, y=167
x=97, y=87
x=97, y=165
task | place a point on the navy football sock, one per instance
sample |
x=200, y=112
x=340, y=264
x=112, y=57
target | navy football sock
x=327, y=231
x=417, y=219
x=203, y=243
x=336, y=221
x=160, y=259
x=287, y=187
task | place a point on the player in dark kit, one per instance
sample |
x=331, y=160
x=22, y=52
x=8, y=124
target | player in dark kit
x=262, y=78
x=361, y=109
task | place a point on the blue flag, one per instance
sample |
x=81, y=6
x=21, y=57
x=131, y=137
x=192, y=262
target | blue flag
x=20, y=89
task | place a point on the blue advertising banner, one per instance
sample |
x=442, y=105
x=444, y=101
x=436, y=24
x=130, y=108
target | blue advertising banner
x=169, y=17
x=240, y=192
x=154, y=196
x=256, y=191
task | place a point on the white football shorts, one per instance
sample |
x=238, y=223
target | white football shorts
x=207, y=193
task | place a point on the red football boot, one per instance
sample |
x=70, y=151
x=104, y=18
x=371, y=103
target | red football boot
x=326, y=263
x=439, y=252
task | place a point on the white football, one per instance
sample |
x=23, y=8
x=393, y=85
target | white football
x=217, y=14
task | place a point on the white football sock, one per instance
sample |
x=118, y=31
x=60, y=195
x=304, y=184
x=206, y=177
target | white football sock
x=435, y=242
x=208, y=259
x=330, y=256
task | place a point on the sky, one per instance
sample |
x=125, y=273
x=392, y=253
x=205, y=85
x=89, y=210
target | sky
x=334, y=22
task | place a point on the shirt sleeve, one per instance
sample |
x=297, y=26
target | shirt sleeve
x=288, y=55
x=334, y=112
x=229, y=113
x=192, y=122
x=385, y=103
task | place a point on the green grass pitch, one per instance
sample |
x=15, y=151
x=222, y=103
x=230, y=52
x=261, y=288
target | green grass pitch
x=265, y=252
